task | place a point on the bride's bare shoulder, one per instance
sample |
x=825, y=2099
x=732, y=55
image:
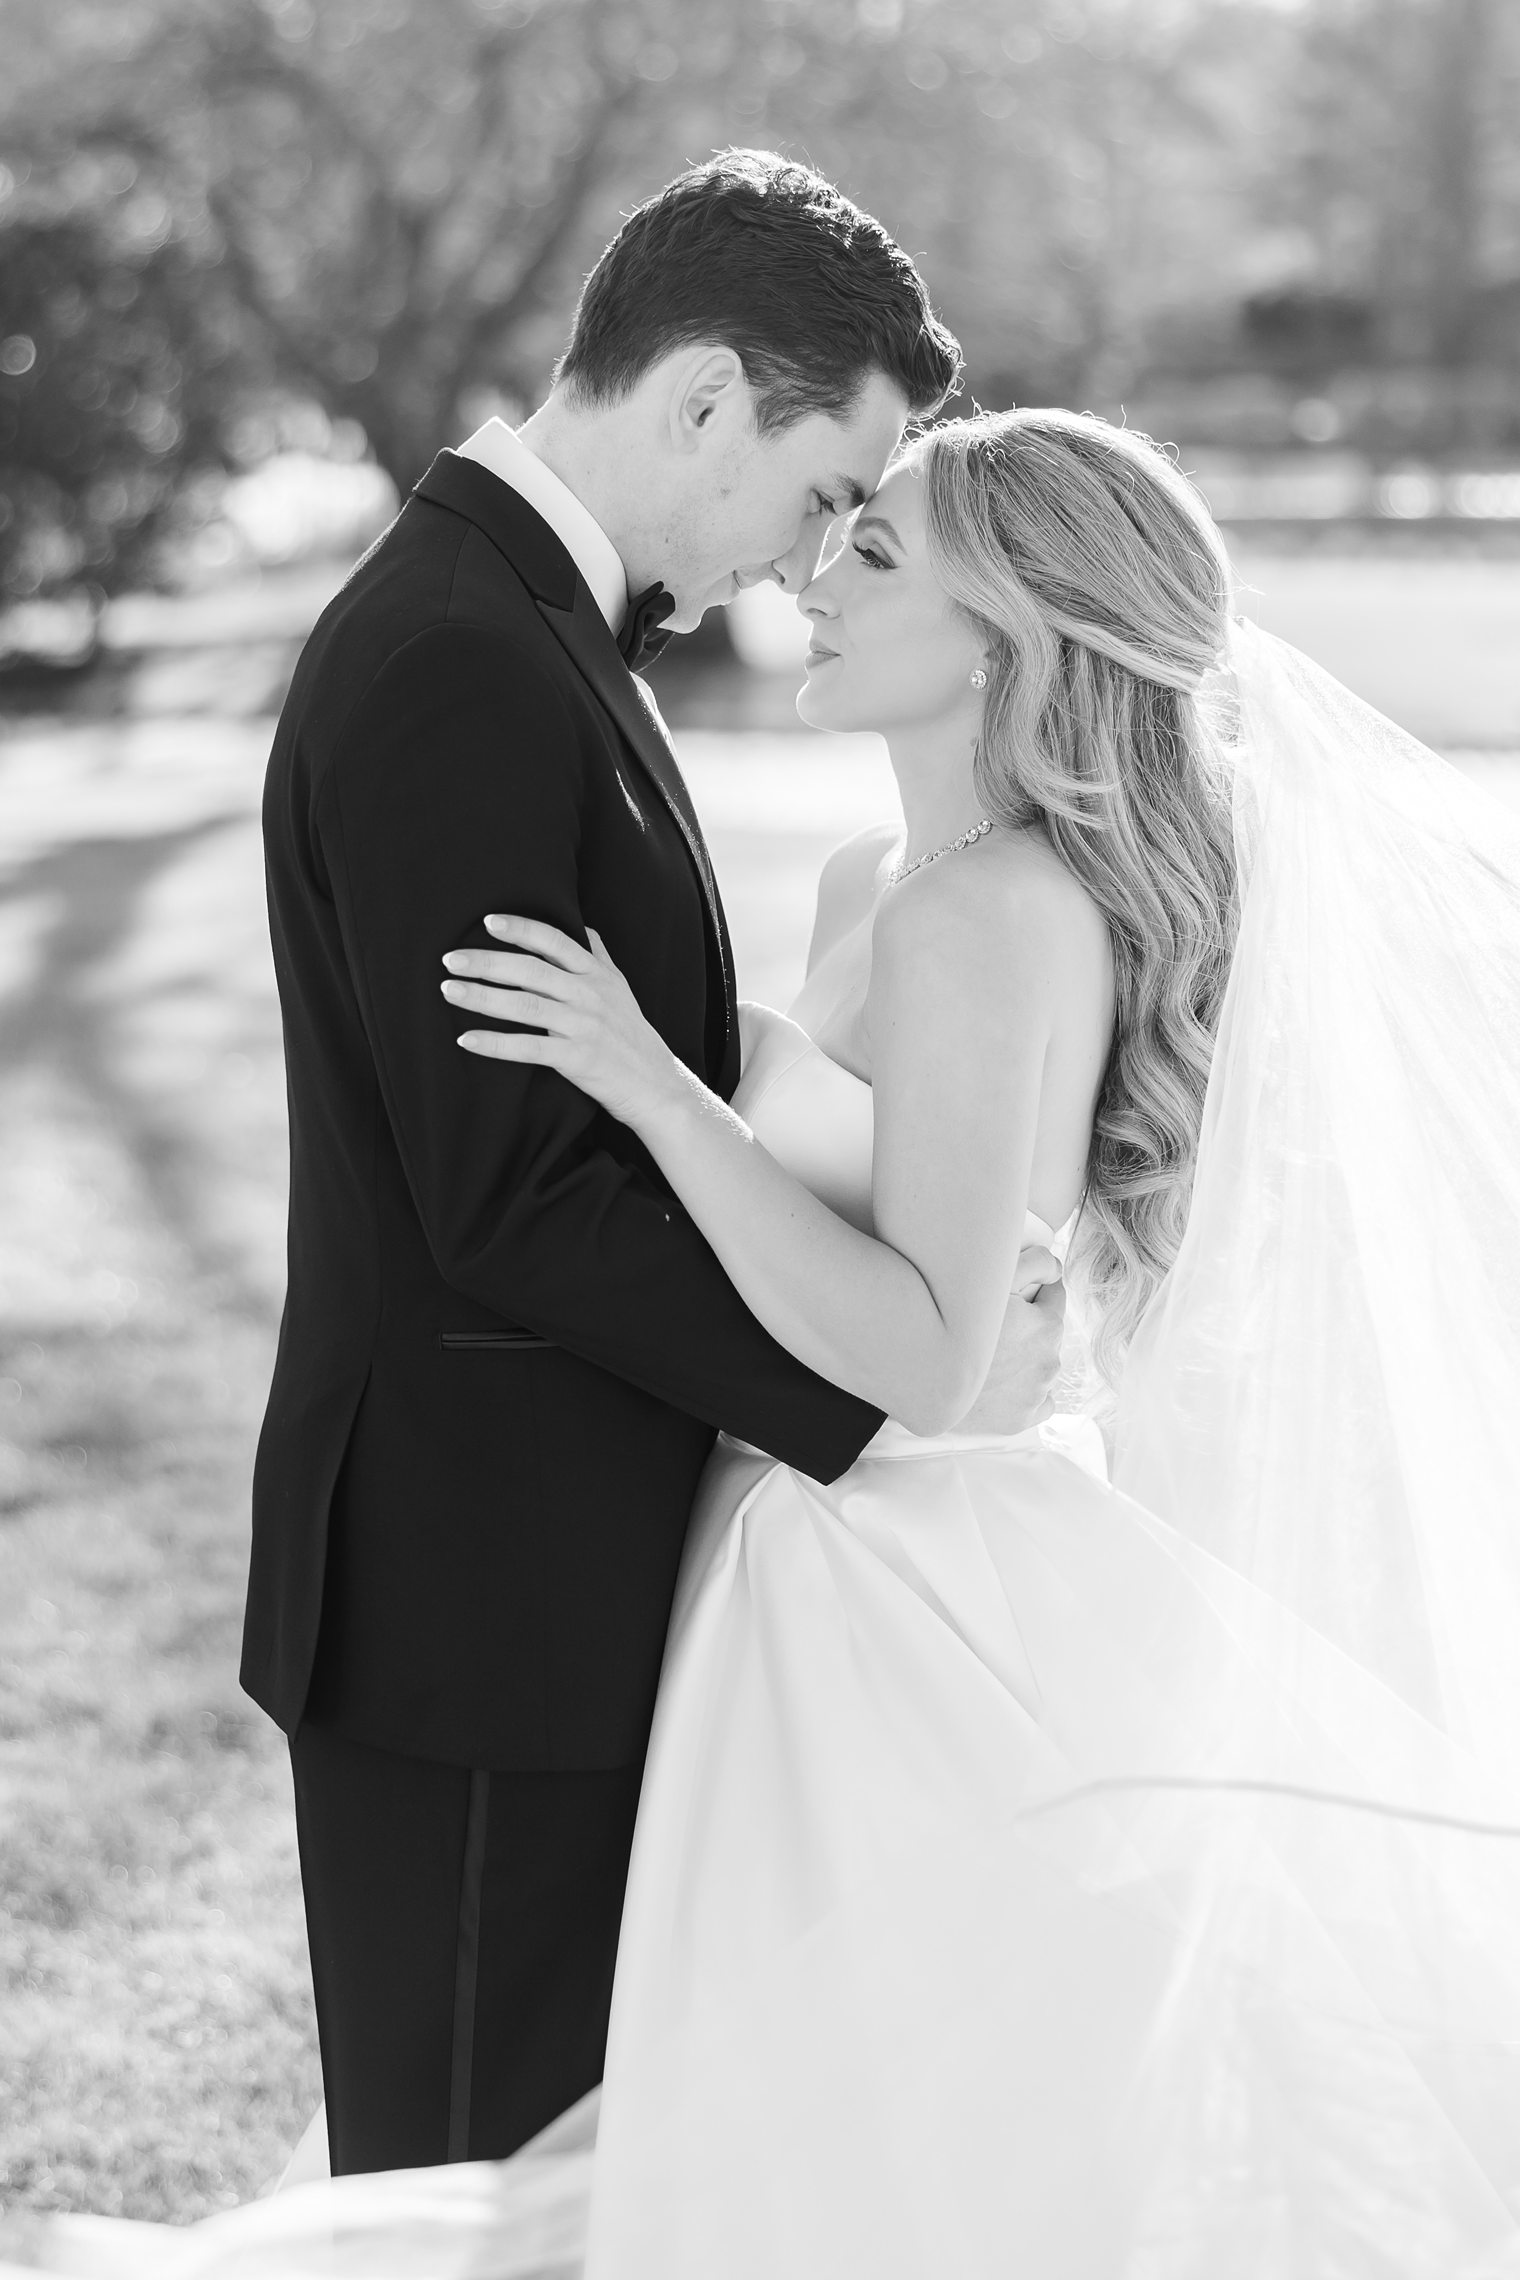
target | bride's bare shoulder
x=1008, y=898
x=848, y=884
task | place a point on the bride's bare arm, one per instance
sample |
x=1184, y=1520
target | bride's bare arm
x=965, y=976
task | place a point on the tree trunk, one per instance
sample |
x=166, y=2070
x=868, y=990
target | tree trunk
x=1458, y=52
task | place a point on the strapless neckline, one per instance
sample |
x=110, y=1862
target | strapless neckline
x=815, y=1116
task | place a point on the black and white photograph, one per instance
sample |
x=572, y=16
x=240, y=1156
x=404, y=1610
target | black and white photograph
x=760, y=1139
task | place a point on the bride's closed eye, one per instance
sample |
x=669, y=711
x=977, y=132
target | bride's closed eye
x=871, y=558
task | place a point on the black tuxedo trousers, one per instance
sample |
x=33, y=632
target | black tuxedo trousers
x=505, y=1348
x=463, y=1929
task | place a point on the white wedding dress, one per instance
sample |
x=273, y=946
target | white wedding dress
x=910, y=1983
x=1021, y=1891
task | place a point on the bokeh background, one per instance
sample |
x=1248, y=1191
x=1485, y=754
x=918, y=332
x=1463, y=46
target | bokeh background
x=259, y=259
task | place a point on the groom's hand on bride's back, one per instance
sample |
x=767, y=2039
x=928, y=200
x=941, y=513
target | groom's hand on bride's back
x=1024, y=1368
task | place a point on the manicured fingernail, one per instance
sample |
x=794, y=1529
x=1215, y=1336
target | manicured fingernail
x=457, y=961
x=496, y=922
x=450, y=989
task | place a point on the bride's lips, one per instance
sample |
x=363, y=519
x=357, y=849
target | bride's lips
x=820, y=656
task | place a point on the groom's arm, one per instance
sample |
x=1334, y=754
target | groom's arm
x=455, y=789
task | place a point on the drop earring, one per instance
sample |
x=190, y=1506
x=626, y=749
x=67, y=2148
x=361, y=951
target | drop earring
x=978, y=677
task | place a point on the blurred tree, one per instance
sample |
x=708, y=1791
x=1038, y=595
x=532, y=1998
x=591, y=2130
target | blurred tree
x=1066, y=167
x=115, y=378
x=398, y=188
x=402, y=193
x=394, y=186
x=392, y=201
x=1307, y=332
x=1402, y=163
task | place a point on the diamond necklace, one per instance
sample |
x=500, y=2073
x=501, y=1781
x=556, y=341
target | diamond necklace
x=901, y=871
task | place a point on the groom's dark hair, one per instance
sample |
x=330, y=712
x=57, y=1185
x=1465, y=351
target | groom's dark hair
x=772, y=261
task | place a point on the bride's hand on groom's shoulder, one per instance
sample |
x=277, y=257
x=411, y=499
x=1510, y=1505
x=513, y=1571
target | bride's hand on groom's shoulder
x=1017, y=1389
x=578, y=1016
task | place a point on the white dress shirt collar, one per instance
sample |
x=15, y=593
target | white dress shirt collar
x=496, y=448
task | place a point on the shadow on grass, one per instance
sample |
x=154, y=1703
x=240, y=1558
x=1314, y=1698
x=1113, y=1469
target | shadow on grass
x=95, y=891
x=155, y=2028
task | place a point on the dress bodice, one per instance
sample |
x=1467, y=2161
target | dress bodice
x=815, y=1117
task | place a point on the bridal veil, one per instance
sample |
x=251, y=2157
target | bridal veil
x=1323, y=1408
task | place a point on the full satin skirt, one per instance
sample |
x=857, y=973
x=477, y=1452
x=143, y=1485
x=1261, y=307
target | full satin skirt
x=1017, y=1895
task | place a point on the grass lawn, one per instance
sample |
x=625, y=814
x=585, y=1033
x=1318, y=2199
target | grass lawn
x=156, y=2040
x=155, y=2036
x=158, y=2049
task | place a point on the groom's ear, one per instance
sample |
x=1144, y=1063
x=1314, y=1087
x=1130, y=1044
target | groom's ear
x=709, y=393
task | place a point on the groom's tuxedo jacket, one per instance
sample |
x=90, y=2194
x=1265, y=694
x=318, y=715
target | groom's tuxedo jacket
x=505, y=1347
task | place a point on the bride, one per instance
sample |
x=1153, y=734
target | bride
x=1038, y=1877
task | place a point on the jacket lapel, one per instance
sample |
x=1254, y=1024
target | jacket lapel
x=565, y=604
x=725, y=1055
x=583, y=633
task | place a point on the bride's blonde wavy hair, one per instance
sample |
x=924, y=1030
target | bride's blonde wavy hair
x=1094, y=575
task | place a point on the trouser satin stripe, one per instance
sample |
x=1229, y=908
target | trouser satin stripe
x=467, y=1965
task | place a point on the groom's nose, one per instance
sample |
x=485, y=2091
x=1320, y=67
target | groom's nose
x=799, y=565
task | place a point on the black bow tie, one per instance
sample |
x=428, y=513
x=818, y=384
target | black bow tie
x=641, y=637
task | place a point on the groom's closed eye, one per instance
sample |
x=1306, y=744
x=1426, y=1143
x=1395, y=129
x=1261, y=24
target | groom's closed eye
x=842, y=497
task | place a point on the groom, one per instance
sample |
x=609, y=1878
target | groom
x=505, y=1349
